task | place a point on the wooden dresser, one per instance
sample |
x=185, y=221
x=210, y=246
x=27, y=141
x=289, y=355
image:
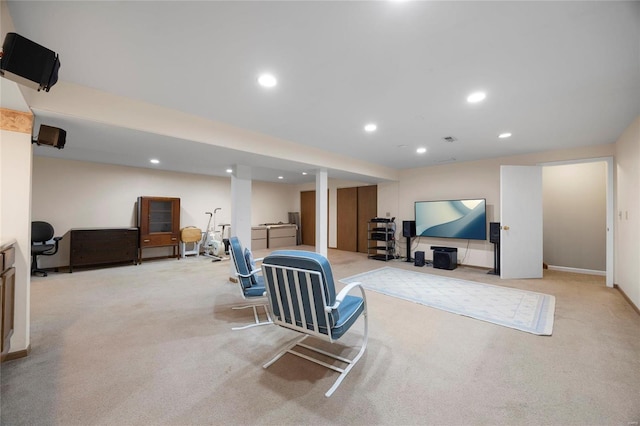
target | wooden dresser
x=7, y=295
x=99, y=246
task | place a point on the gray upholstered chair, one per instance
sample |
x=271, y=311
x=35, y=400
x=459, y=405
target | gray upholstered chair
x=42, y=233
x=250, y=281
x=302, y=298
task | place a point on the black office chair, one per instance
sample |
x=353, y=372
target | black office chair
x=41, y=234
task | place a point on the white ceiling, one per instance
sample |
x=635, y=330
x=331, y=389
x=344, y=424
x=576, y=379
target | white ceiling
x=557, y=75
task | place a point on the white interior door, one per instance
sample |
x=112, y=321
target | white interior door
x=521, y=222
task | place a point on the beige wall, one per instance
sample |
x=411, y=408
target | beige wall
x=74, y=194
x=474, y=179
x=89, y=194
x=272, y=202
x=627, y=222
x=574, y=203
x=15, y=190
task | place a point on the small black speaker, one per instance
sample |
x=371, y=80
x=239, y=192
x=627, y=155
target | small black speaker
x=409, y=228
x=419, y=258
x=28, y=63
x=494, y=232
x=52, y=136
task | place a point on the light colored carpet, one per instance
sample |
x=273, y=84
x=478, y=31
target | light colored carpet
x=152, y=345
x=520, y=309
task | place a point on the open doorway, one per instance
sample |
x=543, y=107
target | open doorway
x=578, y=216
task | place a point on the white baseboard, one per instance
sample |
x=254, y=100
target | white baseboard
x=578, y=270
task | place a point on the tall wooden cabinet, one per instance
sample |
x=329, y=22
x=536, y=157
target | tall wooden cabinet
x=159, y=223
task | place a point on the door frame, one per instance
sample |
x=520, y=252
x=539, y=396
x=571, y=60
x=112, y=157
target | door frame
x=610, y=215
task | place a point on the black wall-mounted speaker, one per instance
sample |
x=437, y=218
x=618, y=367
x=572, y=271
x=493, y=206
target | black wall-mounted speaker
x=28, y=63
x=419, y=258
x=52, y=136
x=409, y=228
x=494, y=232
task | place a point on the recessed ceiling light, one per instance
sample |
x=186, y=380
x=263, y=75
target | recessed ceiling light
x=267, y=80
x=421, y=150
x=304, y=173
x=504, y=135
x=371, y=127
x=476, y=97
x=229, y=170
x=154, y=161
x=280, y=177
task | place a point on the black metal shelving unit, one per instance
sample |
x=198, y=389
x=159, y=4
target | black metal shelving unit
x=381, y=241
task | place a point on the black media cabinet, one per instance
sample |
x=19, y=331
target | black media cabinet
x=100, y=246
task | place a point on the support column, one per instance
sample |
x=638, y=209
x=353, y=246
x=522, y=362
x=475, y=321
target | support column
x=241, y=204
x=240, y=208
x=16, y=162
x=322, y=215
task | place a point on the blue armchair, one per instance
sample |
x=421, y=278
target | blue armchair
x=302, y=298
x=250, y=281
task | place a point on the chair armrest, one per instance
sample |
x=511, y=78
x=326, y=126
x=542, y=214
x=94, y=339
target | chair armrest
x=255, y=271
x=56, y=241
x=249, y=275
x=340, y=297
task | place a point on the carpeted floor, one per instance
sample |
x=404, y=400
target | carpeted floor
x=152, y=345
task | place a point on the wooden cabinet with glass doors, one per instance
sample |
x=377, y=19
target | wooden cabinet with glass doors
x=159, y=223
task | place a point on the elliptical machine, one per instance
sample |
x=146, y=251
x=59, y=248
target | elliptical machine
x=213, y=244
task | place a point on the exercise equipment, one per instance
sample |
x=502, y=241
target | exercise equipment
x=213, y=244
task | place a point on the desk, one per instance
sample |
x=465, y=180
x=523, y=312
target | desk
x=282, y=235
x=258, y=237
x=98, y=246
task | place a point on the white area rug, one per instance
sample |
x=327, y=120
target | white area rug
x=520, y=309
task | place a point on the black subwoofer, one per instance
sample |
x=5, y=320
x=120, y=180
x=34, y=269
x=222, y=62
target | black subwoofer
x=419, y=258
x=445, y=258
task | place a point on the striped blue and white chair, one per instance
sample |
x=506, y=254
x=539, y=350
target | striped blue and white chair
x=302, y=297
x=251, y=283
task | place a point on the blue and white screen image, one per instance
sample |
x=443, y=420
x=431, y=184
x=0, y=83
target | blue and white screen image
x=464, y=219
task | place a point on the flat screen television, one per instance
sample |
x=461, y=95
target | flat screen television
x=463, y=219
